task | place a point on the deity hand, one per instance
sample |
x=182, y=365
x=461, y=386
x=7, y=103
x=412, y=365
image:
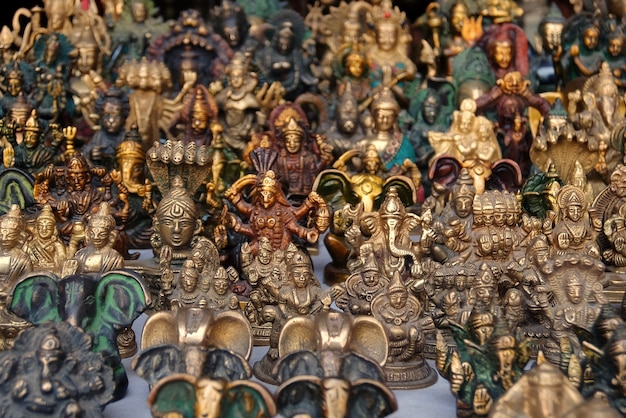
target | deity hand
x=56, y=134
x=220, y=236
x=482, y=400
x=8, y=156
x=69, y=132
x=312, y=236
x=63, y=206
x=8, y=131
x=468, y=371
x=215, y=87
x=270, y=96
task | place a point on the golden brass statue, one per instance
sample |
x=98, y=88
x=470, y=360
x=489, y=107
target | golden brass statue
x=46, y=250
x=544, y=391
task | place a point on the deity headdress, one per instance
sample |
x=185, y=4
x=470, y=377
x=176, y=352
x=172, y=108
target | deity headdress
x=396, y=285
x=131, y=146
x=501, y=338
x=571, y=195
x=199, y=102
x=77, y=163
x=299, y=259
x=392, y=206
x=288, y=20
x=601, y=83
x=32, y=123
x=46, y=213
x=384, y=99
x=464, y=185
x=116, y=95
x=387, y=14
x=102, y=218
x=285, y=114
x=21, y=107
x=13, y=218
x=177, y=201
x=484, y=278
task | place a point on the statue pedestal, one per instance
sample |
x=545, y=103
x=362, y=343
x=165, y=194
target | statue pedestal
x=410, y=375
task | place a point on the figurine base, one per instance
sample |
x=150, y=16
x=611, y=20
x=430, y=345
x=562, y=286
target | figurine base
x=261, y=334
x=263, y=370
x=334, y=274
x=411, y=375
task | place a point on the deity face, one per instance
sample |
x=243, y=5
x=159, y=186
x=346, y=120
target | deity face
x=220, y=286
x=398, y=299
x=78, y=180
x=487, y=217
x=466, y=122
x=575, y=212
x=268, y=197
x=144, y=78
x=607, y=99
x=231, y=33
x=371, y=278
x=14, y=86
x=9, y=235
x=45, y=228
x=355, y=65
x=551, y=36
x=591, y=38
x=459, y=14
x=199, y=122
x=556, y=126
x=132, y=170
x=499, y=216
x=87, y=59
x=503, y=54
x=483, y=332
x=460, y=282
x=293, y=142
x=386, y=36
x=615, y=46
x=301, y=276
x=540, y=255
x=139, y=12
x=385, y=119
x=372, y=165
x=430, y=109
x=285, y=42
x=462, y=205
x=574, y=291
x=98, y=236
x=188, y=281
x=111, y=119
x=50, y=361
x=178, y=228
x=264, y=255
x=484, y=295
x=236, y=78
x=56, y=19
x=31, y=139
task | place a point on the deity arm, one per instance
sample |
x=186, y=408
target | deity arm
x=536, y=101
x=489, y=99
x=575, y=53
x=235, y=223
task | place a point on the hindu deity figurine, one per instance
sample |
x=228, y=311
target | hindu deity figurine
x=52, y=95
x=387, y=231
x=464, y=31
x=238, y=103
x=389, y=46
x=581, y=46
x=402, y=315
x=46, y=250
x=130, y=161
x=301, y=293
x=510, y=97
x=32, y=154
x=348, y=128
x=282, y=60
x=188, y=293
x=577, y=295
x=454, y=223
x=482, y=369
x=150, y=108
x=190, y=46
x=301, y=154
x=544, y=63
x=15, y=261
x=220, y=295
x=132, y=33
x=264, y=272
x=98, y=256
x=269, y=214
x=175, y=222
x=472, y=143
x=112, y=108
x=392, y=144
x=506, y=47
x=51, y=361
x=19, y=77
x=230, y=22
x=362, y=286
x=573, y=232
x=197, y=115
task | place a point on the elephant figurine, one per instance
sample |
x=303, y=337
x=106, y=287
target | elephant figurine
x=99, y=305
